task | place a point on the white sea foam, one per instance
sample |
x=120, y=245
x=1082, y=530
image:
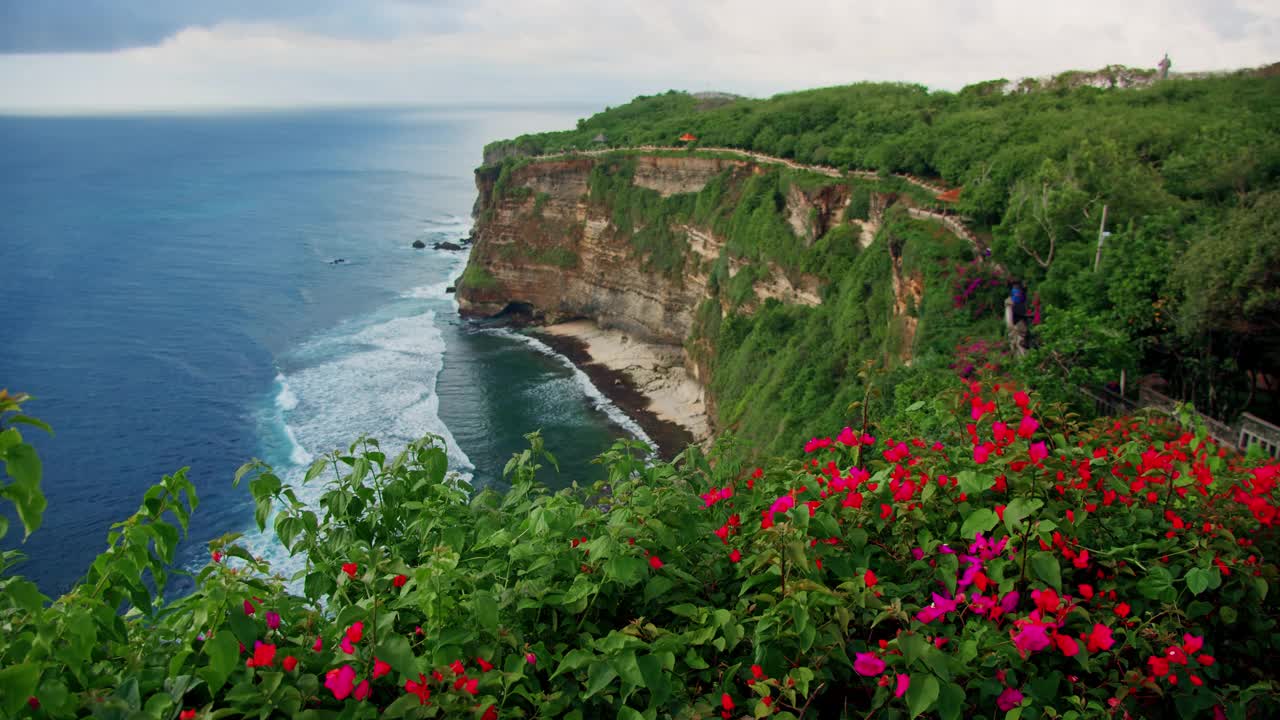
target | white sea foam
x=285, y=399
x=583, y=381
x=377, y=379
x=454, y=225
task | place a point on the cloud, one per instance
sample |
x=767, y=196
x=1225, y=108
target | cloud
x=406, y=51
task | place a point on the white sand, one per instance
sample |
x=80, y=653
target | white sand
x=657, y=371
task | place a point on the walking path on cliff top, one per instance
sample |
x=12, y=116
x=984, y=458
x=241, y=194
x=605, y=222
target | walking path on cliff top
x=954, y=223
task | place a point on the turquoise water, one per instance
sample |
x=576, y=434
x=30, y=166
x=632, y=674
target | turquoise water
x=170, y=299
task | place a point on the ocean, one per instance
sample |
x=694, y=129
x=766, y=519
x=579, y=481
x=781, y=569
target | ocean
x=171, y=298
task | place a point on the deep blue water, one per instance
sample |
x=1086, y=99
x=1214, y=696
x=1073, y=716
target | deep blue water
x=169, y=298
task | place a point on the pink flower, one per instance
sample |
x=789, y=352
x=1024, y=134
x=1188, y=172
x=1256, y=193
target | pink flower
x=531, y=658
x=248, y=608
x=380, y=668
x=980, y=454
x=867, y=665
x=318, y=645
x=1038, y=452
x=847, y=438
x=904, y=682
x=340, y=681
x=347, y=647
x=356, y=631
x=1031, y=637
x=1027, y=427
x=1009, y=699
x=273, y=619
x=939, y=608
x=1192, y=644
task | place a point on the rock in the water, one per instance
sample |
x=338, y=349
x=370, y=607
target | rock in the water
x=418, y=244
x=450, y=289
x=447, y=246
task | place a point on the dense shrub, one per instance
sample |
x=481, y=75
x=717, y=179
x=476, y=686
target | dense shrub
x=1009, y=564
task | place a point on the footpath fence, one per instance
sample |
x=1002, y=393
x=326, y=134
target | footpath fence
x=1248, y=430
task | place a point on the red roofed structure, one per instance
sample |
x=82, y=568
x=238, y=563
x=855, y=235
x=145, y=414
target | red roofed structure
x=952, y=195
x=688, y=137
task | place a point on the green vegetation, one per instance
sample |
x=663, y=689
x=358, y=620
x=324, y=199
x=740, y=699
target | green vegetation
x=477, y=277
x=942, y=575
x=1188, y=172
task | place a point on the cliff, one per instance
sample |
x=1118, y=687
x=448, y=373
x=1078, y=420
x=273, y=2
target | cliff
x=717, y=258
x=546, y=249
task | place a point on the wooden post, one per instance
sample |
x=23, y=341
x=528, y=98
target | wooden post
x=1097, y=259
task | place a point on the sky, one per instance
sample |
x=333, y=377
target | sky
x=120, y=55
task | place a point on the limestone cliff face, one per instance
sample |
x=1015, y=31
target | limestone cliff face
x=542, y=248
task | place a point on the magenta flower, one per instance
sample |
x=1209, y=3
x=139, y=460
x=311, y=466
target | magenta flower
x=939, y=608
x=1031, y=637
x=1038, y=452
x=847, y=438
x=248, y=608
x=867, y=665
x=273, y=619
x=531, y=658
x=1027, y=427
x=340, y=681
x=904, y=682
x=1009, y=602
x=1009, y=699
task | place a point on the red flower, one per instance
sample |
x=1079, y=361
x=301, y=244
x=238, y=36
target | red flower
x=264, y=655
x=356, y=631
x=418, y=688
x=1191, y=644
x=870, y=578
x=1021, y=399
x=491, y=713
x=1066, y=644
x=1205, y=660
x=318, y=645
x=1086, y=591
x=980, y=454
x=1159, y=666
x=654, y=562
x=187, y=714
x=362, y=691
x=472, y=686
x=757, y=672
x=726, y=702
x=290, y=663
x=485, y=665
x=1122, y=610
x=735, y=556
x=400, y=580
x=217, y=557
x=457, y=667
x=380, y=668
x=886, y=511
x=350, y=569
x=248, y=608
x=1175, y=655
x=1099, y=638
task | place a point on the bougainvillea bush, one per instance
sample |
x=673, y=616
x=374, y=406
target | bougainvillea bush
x=1015, y=567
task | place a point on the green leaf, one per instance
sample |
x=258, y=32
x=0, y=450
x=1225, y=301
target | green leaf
x=627, y=667
x=1018, y=510
x=655, y=681
x=396, y=652
x=17, y=683
x=599, y=676
x=1046, y=567
x=981, y=520
x=922, y=694
x=627, y=713
x=913, y=646
x=223, y=652
x=486, y=609
x=23, y=465
x=972, y=483
x=575, y=660
x=626, y=569
x=1197, y=580
x=25, y=595
x=1158, y=585
x=951, y=702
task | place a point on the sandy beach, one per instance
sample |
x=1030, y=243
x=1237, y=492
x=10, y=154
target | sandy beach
x=656, y=371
